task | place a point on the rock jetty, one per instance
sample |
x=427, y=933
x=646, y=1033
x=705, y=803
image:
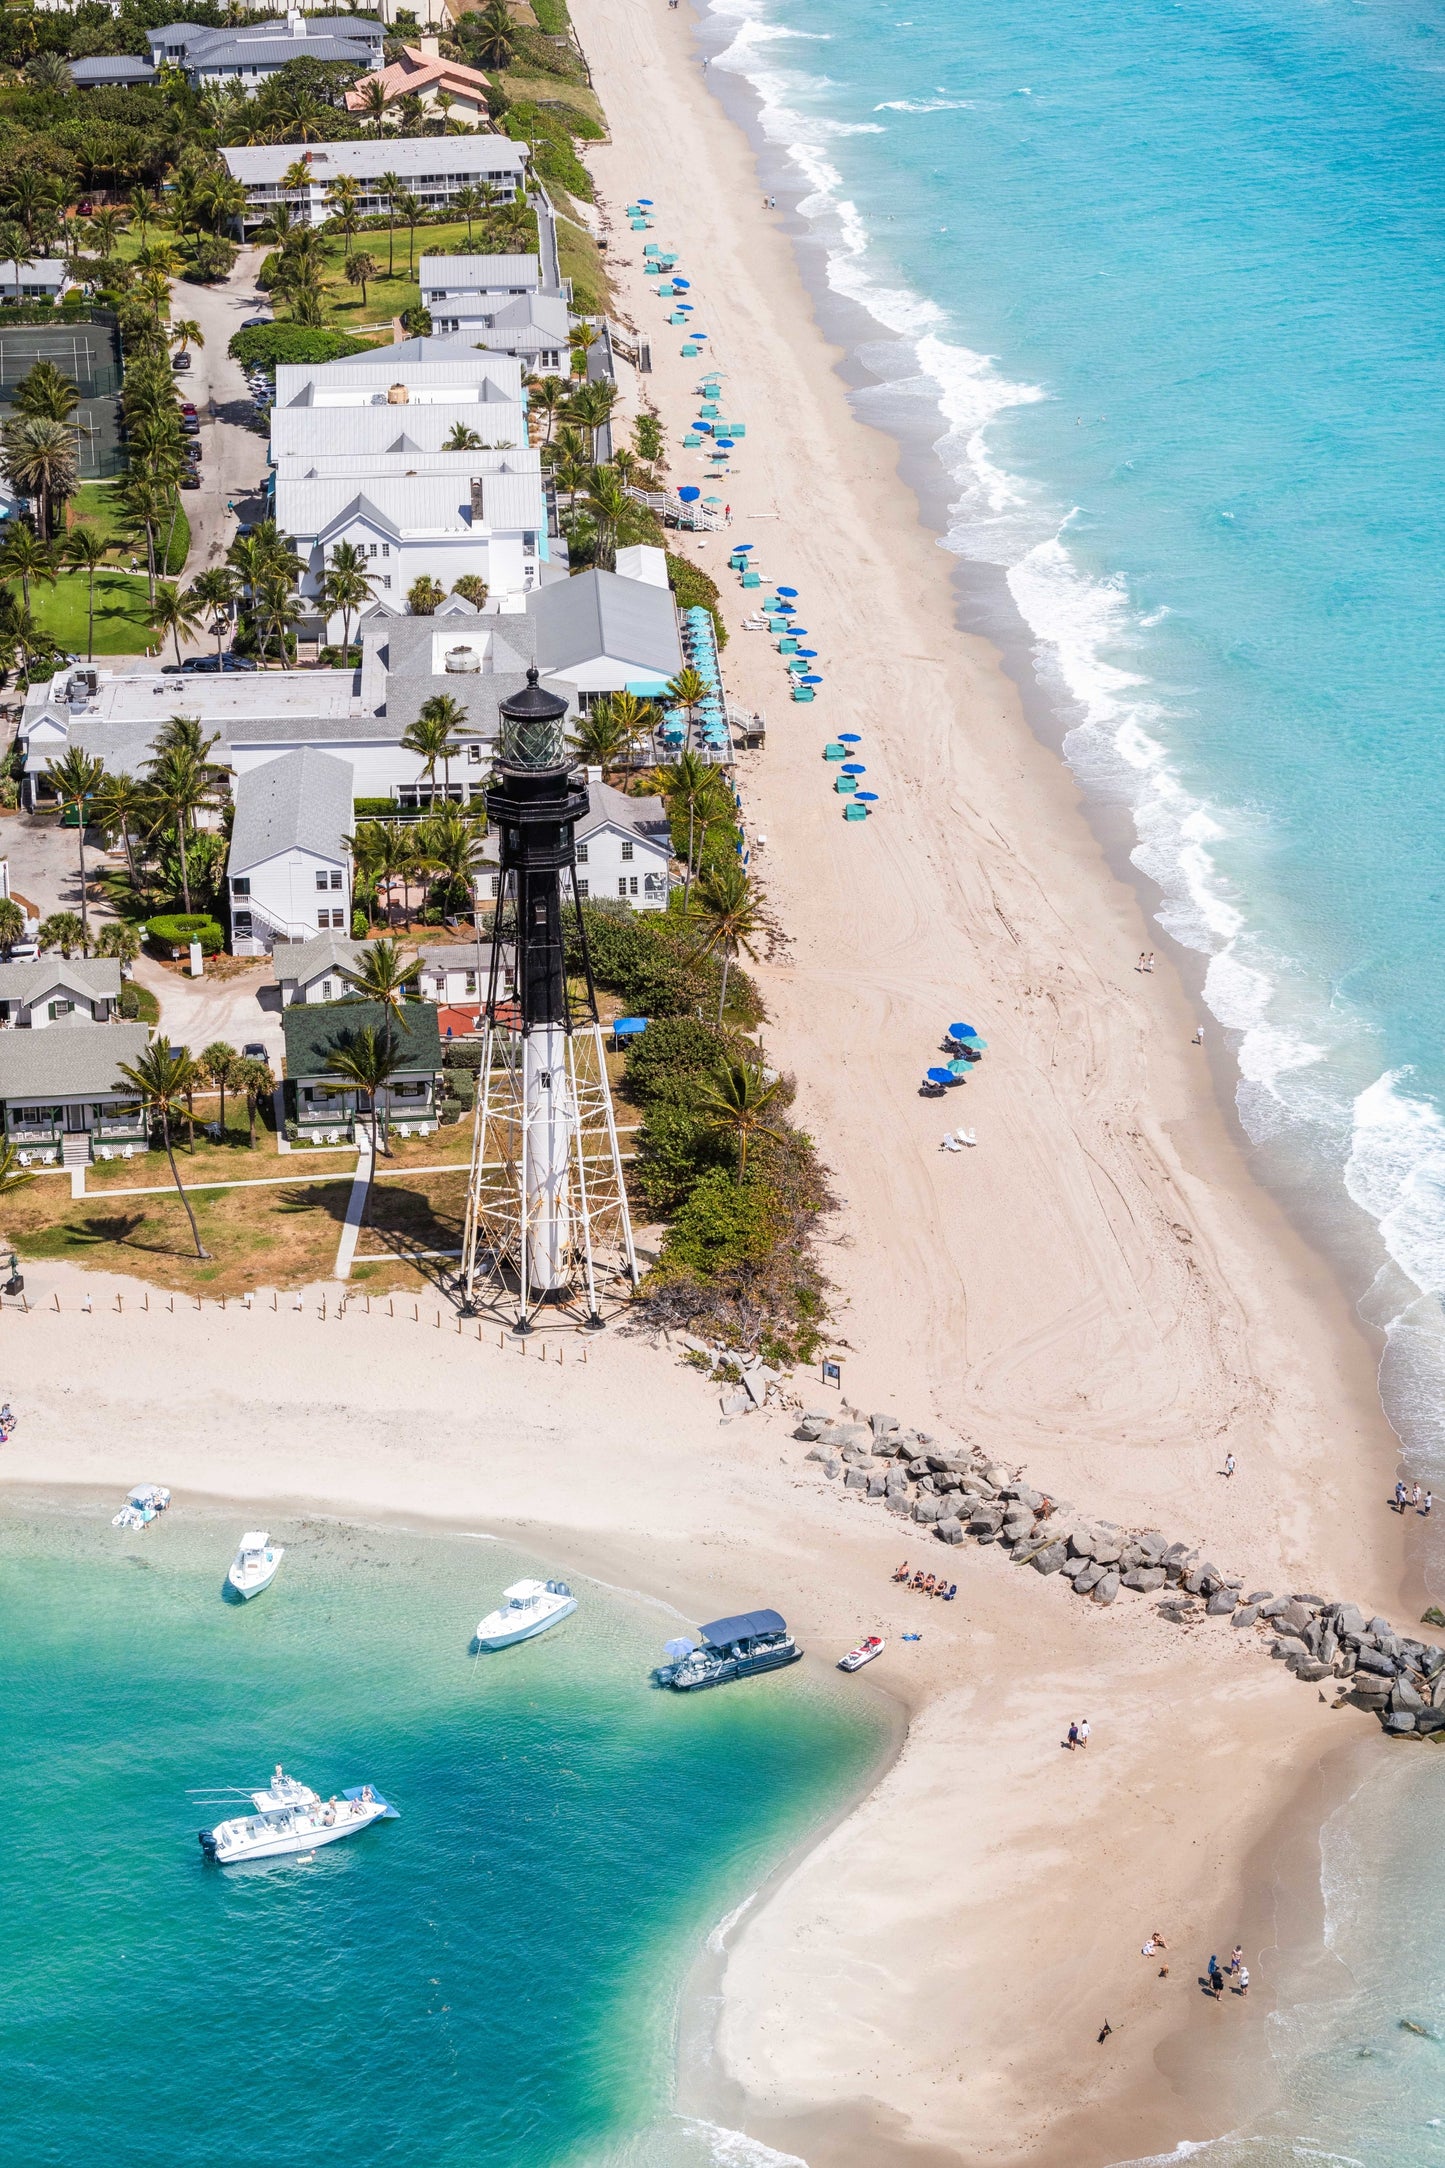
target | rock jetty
x=963, y=1496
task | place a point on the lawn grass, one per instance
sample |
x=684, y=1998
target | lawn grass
x=122, y=600
x=232, y=1161
x=386, y=297
x=582, y=262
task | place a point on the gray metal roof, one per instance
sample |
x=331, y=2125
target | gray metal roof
x=111, y=68
x=477, y=274
x=79, y=1062
x=96, y=978
x=303, y=801
x=415, y=459
x=399, y=504
x=231, y=51
x=471, y=157
x=597, y=613
x=366, y=430
x=513, y=503
x=609, y=808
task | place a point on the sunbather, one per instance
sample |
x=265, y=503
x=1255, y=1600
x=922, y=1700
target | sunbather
x=952, y=1591
x=902, y=1573
x=917, y=1582
x=928, y=1585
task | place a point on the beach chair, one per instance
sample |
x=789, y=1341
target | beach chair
x=691, y=440
x=690, y=351
x=835, y=752
x=752, y=579
x=856, y=812
x=787, y=645
x=845, y=785
x=802, y=692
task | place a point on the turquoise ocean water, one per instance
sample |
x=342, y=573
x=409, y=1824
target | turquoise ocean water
x=1159, y=290
x=492, y=1979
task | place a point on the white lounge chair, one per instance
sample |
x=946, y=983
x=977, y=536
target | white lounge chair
x=25, y=1158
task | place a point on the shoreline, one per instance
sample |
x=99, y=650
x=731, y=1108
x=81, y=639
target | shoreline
x=1212, y=1141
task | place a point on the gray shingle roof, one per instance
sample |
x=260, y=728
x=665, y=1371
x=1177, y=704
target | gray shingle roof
x=607, y=807
x=97, y=978
x=477, y=274
x=306, y=960
x=75, y=1063
x=111, y=68
x=598, y=613
x=301, y=801
x=313, y=1028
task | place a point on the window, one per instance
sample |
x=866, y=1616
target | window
x=371, y=549
x=321, y=881
x=323, y=991
x=241, y=922
x=622, y=884
x=626, y=852
x=336, y=879
x=581, y=854
x=582, y=888
x=469, y=982
x=241, y=887
x=474, y=755
x=386, y=549
x=61, y=1008
x=632, y=885
x=496, y=884
x=330, y=918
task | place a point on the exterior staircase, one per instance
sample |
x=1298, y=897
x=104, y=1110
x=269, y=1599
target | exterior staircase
x=75, y=1148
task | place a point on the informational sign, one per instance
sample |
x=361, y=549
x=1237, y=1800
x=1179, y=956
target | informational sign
x=833, y=1374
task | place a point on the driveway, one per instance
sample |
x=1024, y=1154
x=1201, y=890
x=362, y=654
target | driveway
x=196, y=1012
x=44, y=866
x=233, y=451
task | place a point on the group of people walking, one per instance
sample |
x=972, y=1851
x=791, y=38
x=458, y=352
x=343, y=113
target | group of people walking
x=1238, y=1972
x=1422, y=1500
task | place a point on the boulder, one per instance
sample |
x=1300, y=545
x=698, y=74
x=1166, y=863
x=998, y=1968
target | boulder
x=1221, y=1603
x=811, y=1427
x=985, y=1520
x=1316, y=1603
x=1082, y=1542
x=929, y=1509
x=1259, y=1595
x=996, y=1474
x=1380, y=1626
x=877, y=1485
x=1345, y=1664
x=880, y=1425
x=1246, y=1615
x=898, y=1502
x=1389, y=1644
x=1370, y=1693
x=1143, y=1578
x=1050, y=1559
x=1437, y=1693
x=1406, y=1695
x=1399, y=1721
x=949, y=1530
x=1310, y=1670
x=1329, y=1647
x=855, y=1479
x=1029, y=1546
x=1292, y=1617
x=1088, y=1577
x=1023, y=1496
x=832, y=1467
x=1349, y=1619
x=1152, y=1542
x=1106, y=1588
x=1107, y=1549
x=1430, y=1719
x=737, y=1403
x=1372, y=1660
x=820, y=1452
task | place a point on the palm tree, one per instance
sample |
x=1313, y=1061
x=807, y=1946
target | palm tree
x=343, y=202
x=85, y=549
x=164, y=1076
x=453, y=843
x=120, y=941
x=390, y=187
x=462, y=439
x=691, y=785
x=396, y=862
x=186, y=332
x=32, y=197
x=571, y=461
x=46, y=393
x=118, y=808
x=592, y=404
x=444, y=713
x=174, y=613
x=607, y=501
x=25, y=557
x=346, y=586
x=63, y=931
x=549, y=398
x=39, y=459
x=217, y=1066
x=374, y=100
x=142, y=205
x=368, y=1059
x=148, y=502
x=636, y=716
x=472, y=588
x=75, y=779
x=214, y=591
x=360, y=269
x=12, y=924
x=471, y=204
x=411, y=211
x=497, y=35
x=430, y=737
x=733, y=1103
x=105, y=229
x=732, y=920
x=425, y=596
x=599, y=741
x=179, y=785
x=253, y=1077
x=381, y=974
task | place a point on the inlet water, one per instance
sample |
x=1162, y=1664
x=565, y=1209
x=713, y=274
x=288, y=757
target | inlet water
x=491, y=1979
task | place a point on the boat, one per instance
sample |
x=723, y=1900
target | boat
x=254, y=1565
x=290, y=1817
x=526, y=1608
x=142, y=1506
x=732, y=1648
x=870, y=1647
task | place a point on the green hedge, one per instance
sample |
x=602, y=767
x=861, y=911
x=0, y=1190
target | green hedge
x=177, y=930
x=264, y=345
x=695, y=590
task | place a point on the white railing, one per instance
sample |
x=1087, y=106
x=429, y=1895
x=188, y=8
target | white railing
x=674, y=513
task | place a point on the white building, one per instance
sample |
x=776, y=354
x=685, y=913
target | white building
x=43, y=279
x=624, y=850
x=602, y=633
x=248, y=53
x=290, y=864
x=432, y=168
x=386, y=430
x=59, y=990
x=413, y=373
x=316, y=970
x=414, y=526
x=479, y=280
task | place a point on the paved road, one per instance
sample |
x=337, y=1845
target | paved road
x=233, y=452
x=197, y=1012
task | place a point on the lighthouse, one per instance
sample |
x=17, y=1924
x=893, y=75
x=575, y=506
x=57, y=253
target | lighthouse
x=547, y=1218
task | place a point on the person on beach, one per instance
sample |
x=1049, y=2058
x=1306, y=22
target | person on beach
x=1149, y=961
x=1216, y=1979
x=1237, y=1959
x=1083, y=1731
x=1399, y=1497
x=1104, y=2031
x=1243, y=1980
x=1140, y=965
x=1429, y=1499
x=1198, y=1039
x=1073, y=1739
x=1415, y=1496
x=1228, y=1464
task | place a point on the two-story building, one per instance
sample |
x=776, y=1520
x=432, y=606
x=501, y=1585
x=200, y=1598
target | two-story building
x=63, y=1097
x=322, y=1103
x=603, y=633
x=289, y=870
x=444, y=86
x=413, y=526
x=624, y=850
x=249, y=53
x=432, y=168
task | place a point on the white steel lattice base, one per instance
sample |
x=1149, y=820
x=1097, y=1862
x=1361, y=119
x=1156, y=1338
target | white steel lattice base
x=547, y=1216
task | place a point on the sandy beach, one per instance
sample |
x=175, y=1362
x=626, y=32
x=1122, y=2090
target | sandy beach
x=1100, y=1292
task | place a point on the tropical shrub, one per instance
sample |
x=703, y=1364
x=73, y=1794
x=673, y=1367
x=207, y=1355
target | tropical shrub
x=263, y=346
x=176, y=930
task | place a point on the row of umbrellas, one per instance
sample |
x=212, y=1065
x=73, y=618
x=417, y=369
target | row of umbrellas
x=970, y=1047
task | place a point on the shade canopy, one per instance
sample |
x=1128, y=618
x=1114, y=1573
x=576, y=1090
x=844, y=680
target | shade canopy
x=629, y=1027
x=787, y=590
x=962, y=1031
x=939, y=1076
x=724, y=444
x=747, y=1626
x=646, y=688
x=689, y=493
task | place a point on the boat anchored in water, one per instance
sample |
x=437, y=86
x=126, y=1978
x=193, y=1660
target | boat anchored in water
x=732, y=1648
x=290, y=1817
x=526, y=1608
x=872, y=1645
x=254, y=1565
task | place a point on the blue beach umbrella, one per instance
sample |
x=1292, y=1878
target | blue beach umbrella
x=683, y=284
x=810, y=652
x=647, y=200
x=939, y=1076
x=689, y=493
x=870, y=797
x=849, y=737
x=962, y=1031
x=787, y=590
x=812, y=678
x=740, y=549
x=854, y=767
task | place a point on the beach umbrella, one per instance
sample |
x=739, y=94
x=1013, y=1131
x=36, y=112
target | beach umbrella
x=939, y=1076
x=870, y=796
x=787, y=590
x=810, y=652
x=724, y=444
x=740, y=549
x=689, y=493
x=812, y=678
x=854, y=767
x=677, y=1649
x=849, y=737
x=958, y=1068
x=712, y=500
x=685, y=284
x=962, y=1031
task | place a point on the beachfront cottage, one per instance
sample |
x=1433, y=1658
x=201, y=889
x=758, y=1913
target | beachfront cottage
x=321, y=1103
x=289, y=870
x=432, y=168
x=64, y=1098
x=59, y=990
x=601, y=633
x=245, y=54
x=420, y=71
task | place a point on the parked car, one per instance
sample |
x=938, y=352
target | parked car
x=186, y=407
x=212, y=663
x=254, y=323
x=192, y=480
x=190, y=426
x=180, y=362
x=254, y=1051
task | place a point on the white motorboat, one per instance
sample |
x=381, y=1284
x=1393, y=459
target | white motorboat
x=871, y=1646
x=142, y=1506
x=290, y=1817
x=254, y=1565
x=526, y=1608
